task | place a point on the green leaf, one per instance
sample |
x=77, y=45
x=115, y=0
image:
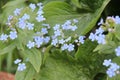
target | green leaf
x=117, y=31
x=59, y=12
x=76, y=3
x=106, y=48
x=6, y=48
x=60, y=69
x=85, y=49
x=27, y=74
x=34, y=57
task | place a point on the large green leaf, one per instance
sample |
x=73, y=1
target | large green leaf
x=59, y=12
x=27, y=74
x=59, y=69
x=34, y=57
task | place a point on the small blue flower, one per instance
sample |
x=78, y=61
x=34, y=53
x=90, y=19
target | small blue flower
x=107, y=62
x=13, y=35
x=46, y=39
x=54, y=42
x=40, y=18
x=30, y=44
x=101, y=39
x=44, y=31
x=32, y=6
x=30, y=26
x=110, y=73
x=81, y=39
x=57, y=33
x=21, y=23
x=114, y=67
x=61, y=41
x=25, y=16
x=38, y=41
x=99, y=31
x=64, y=47
x=101, y=22
x=56, y=27
x=40, y=12
x=21, y=67
x=70, y=47
x=73, y=28
x=17, y=11
x=117, y=51
x=3, y=37
x=117, y=19
x=17, y=61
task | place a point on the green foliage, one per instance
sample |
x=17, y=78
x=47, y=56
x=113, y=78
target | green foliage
x=59, y=12
x=27, y=74
x=8, y=9
x=55, y=64
x=106, y=48
x=117, y=31
x=34, y=57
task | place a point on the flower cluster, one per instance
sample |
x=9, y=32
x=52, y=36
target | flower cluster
x=98, y=36
x=21, y=66
x=40, y=40
x=59, y=37
x=113, y=68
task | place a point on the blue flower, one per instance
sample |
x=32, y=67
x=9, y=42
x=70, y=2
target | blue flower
x=101, y=39
x=17, y=61
x=54, y=42
x=110, y=73
x=38, y=41
x=61, y=41
x=17, y=11
x=46, y=39
x=71, y=47
x=107, y=62
x=32, y=6
x=117, y=19
x=56, y=27
x=30, y=26
x=101, y=22
x=117, y=51
x=57, y=33
x=21, y=23
x=30, y=44
x=21, y=67
x=25, y=16
x=40, y=18
x=3, y=37
x=44, y=31
x=13, y=35
x=92, y=37
x=81, y=39
x=99, y=31
x=64, y=47
x=114, y=66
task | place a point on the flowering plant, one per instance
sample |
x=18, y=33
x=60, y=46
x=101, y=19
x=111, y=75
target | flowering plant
x=54, y=41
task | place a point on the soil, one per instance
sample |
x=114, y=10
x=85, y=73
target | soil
x=6, y=76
